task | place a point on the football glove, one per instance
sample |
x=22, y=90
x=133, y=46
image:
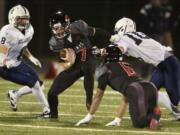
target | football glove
x=115, y=38
x=115, y=122
x=35, y=61
x=85, y=120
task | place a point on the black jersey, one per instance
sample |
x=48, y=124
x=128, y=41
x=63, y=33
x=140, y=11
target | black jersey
x=118, y=76
x=79, y=35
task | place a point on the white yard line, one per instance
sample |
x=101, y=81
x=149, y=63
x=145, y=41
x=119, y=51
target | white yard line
x=87, y=129
x=65, y=104
x=70, y=115
x=69, y=104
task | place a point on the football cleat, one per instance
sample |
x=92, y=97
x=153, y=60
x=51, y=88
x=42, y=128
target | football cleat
x=155, y=121
x=175, y=112
x=12, y=95
x=45, y=114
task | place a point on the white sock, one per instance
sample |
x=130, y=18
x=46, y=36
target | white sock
x=23, y=91
x=38, y=92
x=164, y=100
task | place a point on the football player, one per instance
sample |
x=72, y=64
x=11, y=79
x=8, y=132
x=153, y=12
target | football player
x=139, y=45
x=77, y=37
x=142, y=96
x=74, y=36
x=14, y=39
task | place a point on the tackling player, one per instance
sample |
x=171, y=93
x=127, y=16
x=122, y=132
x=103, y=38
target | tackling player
x=139, y=45
x=142, y=96
x=14, y=38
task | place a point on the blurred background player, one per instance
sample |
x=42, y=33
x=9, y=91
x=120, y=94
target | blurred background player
x=139, y=45
x=157, y=24
x=156, y=17
x=14, y=38
x=142, y=96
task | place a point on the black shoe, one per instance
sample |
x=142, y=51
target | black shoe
x=45, y=114
x=48, y=115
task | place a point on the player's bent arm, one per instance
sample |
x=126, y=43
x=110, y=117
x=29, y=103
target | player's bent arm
x=94, y=106
x=65, y=65
x=28, y=54
x=122, y=108
x=96, y=101
x=3, y=54
x=120, y=114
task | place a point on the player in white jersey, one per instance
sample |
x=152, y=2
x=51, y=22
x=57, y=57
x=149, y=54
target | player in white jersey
x=139, y=45
x=14, y=38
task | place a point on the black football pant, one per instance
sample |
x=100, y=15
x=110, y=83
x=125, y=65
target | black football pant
x=142, y=97
x=66, y=78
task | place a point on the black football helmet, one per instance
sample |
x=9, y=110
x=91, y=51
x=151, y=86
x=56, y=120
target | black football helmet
x=60, y=20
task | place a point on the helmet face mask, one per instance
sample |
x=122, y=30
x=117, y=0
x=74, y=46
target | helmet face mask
x=19, y=17
x=22, y=23
x=124, y=25
x=60, y=24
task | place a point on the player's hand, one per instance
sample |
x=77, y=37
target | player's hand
x=35, y=61
x=85, y=120
x=69, y=55
x=10, y=63
x=114, y=38
x=115, y=122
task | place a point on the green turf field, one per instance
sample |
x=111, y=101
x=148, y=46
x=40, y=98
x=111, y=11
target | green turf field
x=72, y=108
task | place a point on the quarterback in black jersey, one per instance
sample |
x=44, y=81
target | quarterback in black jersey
x=141, y=96
x=76, y=37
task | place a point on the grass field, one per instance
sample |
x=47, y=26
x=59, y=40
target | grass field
x=72, y=108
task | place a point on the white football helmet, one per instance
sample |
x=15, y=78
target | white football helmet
x=18, y=12
x=124, y=25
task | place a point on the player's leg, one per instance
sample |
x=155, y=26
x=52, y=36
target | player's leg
x=158, y=80
x=172, y=83
x=153, y=111
x=64, y=80
x=137, y=105
x=25, y=75
x=88, y=72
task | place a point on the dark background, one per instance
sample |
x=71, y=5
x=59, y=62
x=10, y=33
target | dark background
x=99, y=13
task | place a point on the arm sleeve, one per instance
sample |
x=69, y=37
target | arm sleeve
x=122, y=43
x=99, y=37
x=56, y=44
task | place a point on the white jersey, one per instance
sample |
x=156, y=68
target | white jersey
x=15, y=40
x=138, y=45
